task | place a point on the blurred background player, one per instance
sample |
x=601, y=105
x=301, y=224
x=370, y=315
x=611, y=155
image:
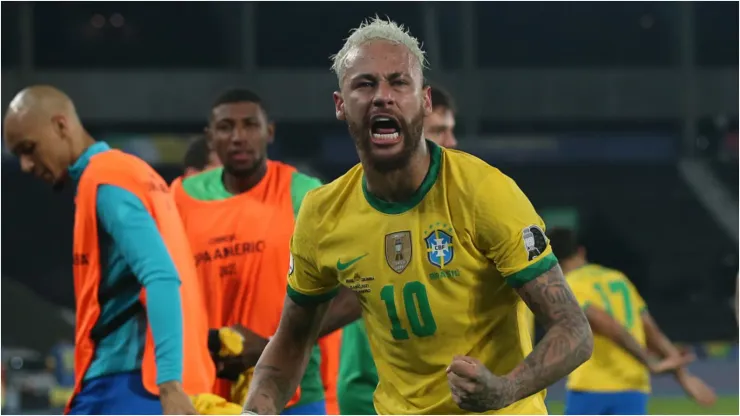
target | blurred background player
x=199, y=157
x=616, y=380
x=239, y=219
x=439, y=126
x=365, y=242
x=127, y=241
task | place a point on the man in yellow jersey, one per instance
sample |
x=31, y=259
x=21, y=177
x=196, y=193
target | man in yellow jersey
x=358, y=376
x=437, y=244
x=616, y=380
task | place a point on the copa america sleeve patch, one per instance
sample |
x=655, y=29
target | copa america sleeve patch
x=290, y=269
x=535, y=241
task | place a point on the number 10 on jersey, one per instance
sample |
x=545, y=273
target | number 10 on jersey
x=418, y=310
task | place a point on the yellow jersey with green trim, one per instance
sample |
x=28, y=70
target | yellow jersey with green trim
x=610, y=369
x=434, y=275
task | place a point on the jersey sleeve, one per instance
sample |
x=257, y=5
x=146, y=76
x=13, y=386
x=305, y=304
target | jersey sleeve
x=133, y=230
x=307, y=283
x=509, y=232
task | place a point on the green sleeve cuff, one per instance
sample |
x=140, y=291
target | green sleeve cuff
x=310, y=300
x=533, y=271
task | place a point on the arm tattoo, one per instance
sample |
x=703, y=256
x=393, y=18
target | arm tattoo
x=274, y=389
x=567, y=343
x=282, y=364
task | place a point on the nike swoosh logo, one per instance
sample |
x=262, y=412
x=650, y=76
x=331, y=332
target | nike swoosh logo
x=344, y=266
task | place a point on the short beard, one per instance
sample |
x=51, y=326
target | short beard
x=411, y=132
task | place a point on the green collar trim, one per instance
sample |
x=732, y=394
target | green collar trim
x=400, y=207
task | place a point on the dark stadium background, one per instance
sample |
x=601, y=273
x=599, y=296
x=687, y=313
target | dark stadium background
x=620, y=119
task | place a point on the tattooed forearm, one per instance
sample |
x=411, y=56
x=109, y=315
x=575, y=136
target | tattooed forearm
x=273, y=391
x=567, y=343
x=282, y=364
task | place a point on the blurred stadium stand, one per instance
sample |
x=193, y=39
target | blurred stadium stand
x=591, y=109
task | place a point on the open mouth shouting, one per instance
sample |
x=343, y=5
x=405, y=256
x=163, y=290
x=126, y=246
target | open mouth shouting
x=385, y=130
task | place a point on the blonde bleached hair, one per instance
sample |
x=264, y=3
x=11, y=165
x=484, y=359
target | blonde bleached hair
x=376, y=29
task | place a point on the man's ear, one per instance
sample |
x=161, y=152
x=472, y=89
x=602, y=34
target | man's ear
x=339, y=105
x=270, y=132
x=61, y=126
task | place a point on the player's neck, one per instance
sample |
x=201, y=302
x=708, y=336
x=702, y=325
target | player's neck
x=399, y=185
x=236, y=185
x=80, y=146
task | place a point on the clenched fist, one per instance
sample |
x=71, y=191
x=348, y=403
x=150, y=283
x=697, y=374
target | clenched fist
x=475, y=388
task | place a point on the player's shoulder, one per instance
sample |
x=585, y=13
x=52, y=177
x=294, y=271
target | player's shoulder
x=300, y=182
x=117, y=160
x=615, y=275
x=303, y=181
x=117, y=167
x=609, y=273
x=593, y=273
x=176, y=184
x=323, y=205
x=468, y=171
x=300, y=185
x=204, y=185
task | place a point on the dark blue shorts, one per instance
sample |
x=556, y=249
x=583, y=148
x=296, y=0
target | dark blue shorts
x=116, y=394
x=616, y=403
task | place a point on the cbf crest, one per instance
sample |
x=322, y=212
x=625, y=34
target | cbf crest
x=398, y=250
x=440, y=249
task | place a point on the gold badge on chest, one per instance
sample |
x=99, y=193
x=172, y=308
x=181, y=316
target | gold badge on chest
x=398, y=250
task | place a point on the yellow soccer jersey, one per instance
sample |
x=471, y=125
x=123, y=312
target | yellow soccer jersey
x=434, y=275
x=610, y=368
